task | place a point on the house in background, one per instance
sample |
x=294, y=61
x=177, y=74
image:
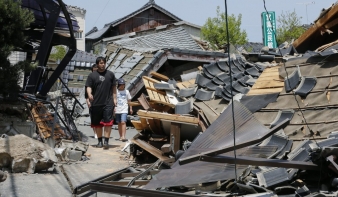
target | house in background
x=146, y=20
x=80, y=15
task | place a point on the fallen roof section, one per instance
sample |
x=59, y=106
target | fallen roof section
x=321, y=32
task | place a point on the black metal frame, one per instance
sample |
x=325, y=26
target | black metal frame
x=86, y=186
x=30, y=99
x=112, y=189
x=76, y=101
x=244, y=160
x=48, y=38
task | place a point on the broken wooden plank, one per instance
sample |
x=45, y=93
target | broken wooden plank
x=166, y=148
x=150, y=79
x=144, y=123
x=159, y=76
x=175, y=136
x=268, y=82
x=169, y=117
x=314, y=30
x=150, y=149
x=137, y=125
x=155, y=126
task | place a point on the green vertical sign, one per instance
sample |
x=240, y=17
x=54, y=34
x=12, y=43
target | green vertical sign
x=269, y=29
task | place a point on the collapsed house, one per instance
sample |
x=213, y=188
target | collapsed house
x=284, y=122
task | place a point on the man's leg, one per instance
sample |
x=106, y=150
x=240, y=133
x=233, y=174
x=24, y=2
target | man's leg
x=108, y=122
x=123, y=126
x=99, y=136
x=118, y=121
x=96, y=117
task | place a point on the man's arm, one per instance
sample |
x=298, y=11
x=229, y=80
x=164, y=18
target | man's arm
x=89, y=84
x=130, y=107
x=89, y=92
x=114, y=94
x=129, y=102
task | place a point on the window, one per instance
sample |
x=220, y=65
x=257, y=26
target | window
x=78, y=34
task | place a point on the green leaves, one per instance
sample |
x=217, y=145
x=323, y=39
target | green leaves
x=59, y=53
x=289, y=27
x=13, y=21
x=214, y=30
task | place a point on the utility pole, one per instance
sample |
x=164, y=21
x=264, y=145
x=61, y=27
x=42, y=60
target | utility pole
x=306, y=4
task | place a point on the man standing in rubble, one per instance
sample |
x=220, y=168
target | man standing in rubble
x=101, y=90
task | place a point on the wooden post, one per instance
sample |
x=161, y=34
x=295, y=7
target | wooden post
x=175, y=131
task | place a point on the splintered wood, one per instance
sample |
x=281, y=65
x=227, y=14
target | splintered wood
x=44, y=121
x=154, y=94
x=268, y=82
x=186, y=84
x=150, y=120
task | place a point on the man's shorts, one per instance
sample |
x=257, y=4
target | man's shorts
x=121, y=118
x=101, y=115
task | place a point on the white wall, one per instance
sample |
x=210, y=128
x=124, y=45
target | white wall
x=80, y=16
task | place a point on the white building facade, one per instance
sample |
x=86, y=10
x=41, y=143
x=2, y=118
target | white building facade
x=80, y=15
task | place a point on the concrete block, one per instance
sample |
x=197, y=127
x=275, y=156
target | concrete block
x=80, y=146
x=24, y=165
x=60, y=153
x=73, y=155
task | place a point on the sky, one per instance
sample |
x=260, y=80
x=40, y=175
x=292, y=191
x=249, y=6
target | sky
x=100, y=12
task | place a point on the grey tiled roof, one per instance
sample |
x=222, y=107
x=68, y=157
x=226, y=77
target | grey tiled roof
x=97, y=34
x=174, y=38
x=94, y=29
x=150, y=4
x=82, y=56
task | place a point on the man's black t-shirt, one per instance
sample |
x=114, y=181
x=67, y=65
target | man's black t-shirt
x=101, y=84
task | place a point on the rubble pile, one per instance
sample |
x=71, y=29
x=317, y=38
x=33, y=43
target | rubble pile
x=69, y=151
x=23, y=154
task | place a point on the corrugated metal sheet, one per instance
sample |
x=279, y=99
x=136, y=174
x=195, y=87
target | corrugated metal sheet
x=218, y=135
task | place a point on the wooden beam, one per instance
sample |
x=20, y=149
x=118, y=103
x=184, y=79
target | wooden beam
x=170, y=117
x=159, y=76
x=150, y=149
x=175, y=136
x=316, y=27
x=166, y=148
x=144, y=123
x=137, y=124
x=150, y=79
x=155, y=126
x=155, y=90
x=134, y=103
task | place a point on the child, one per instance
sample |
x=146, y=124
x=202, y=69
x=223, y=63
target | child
x=121, y=109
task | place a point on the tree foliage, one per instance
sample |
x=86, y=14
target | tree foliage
x=59, y=53
x=214, y=30
x=13, y=21
x=288, y=27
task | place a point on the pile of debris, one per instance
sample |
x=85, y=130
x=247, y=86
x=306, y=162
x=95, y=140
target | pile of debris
x=174, y=113
x=30, y=129
x=20, y=153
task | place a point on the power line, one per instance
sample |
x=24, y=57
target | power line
x=102, y=12
x=231, y=81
